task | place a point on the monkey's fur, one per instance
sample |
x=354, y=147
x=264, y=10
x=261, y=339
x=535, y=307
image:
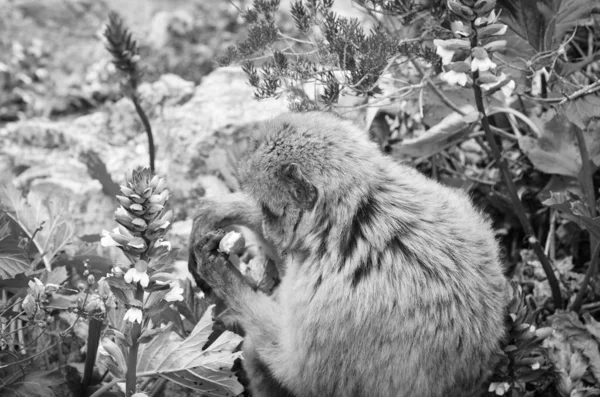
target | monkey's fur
x=392, y=284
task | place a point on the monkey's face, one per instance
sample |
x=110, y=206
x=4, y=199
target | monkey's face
x=273, y=173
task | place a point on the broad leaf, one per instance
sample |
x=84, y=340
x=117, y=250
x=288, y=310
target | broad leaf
x=544, y=23
x=582, y=111
x=556, y=151
x=35, y=384
x=13, y=259
x=48, y=216
x=12, y=262
x=450, y=131
x=184, y=361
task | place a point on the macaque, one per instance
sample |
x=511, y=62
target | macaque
x=391, y=283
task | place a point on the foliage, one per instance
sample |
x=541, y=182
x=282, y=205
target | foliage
x=533, y=73
x=497, y=98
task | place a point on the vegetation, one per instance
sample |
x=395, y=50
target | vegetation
x=496, y=97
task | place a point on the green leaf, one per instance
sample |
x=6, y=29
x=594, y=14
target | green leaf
x=34, y=212
x=12, y=263
x=57, y=276
x=34, y=384
x=570, y=14
x=556, y=151
x=184, y=362
x=122, y=290
x=450, y=131
x=13, y=259
x=582, y=111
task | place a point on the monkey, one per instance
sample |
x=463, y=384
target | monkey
x=392, y=284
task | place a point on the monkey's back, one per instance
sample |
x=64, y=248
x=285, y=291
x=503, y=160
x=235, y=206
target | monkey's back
x=394, y=285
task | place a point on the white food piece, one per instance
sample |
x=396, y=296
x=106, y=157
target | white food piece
x=232, y=243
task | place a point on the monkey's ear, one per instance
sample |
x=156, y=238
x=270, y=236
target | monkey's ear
x=299, y=188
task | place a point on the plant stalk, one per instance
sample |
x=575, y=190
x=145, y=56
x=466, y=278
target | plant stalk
x=147, y=127
x=512, y=189
x=136, y=330
x=95, y=329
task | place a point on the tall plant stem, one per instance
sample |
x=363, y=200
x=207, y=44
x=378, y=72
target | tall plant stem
x=95, y=329
x=136, y=330
x=147, y=127
x=512, y=189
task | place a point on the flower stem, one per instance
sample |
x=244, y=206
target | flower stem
x=512, y=189
x=136, y=330
x=147, y=127
x=95, y=330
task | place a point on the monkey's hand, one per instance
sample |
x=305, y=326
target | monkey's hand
x=217, y=271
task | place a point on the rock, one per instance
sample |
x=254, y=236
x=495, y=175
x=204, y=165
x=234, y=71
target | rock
x=199, y=131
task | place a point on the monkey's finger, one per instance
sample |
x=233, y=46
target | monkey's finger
x=210, y=241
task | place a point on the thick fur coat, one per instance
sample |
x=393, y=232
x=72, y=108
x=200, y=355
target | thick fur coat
x=392, y=287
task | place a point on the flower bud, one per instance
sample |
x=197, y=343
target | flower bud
x=51, y=288
x=482, y=7
x=112, y=357
x=117, y=272
x=460, y=10
x=29, y=305
x=126, y=191
x=124, y=201
x=91, y=279
x=543, y=333
x=103, y=287
x=160, y=198
x=154, y=209
x=137, y=245
x=496, y=46
x=136, y=198
x=137, y=209
x=496, y=29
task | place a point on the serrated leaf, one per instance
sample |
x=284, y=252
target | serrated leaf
x=13, y=263
x=35, y=212
x=184, y=361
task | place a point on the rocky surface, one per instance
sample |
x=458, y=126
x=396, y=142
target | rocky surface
x=195, y=129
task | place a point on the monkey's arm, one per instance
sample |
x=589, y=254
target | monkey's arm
x=233, y=209
x=258, y=314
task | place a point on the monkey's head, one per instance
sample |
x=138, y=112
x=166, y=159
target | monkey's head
x=302, y=161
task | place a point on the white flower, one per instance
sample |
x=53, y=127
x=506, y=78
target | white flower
x=29, y=305
x=447, y=48
x=460, y=29
x=36, y=288
x=163, y=243
x=499, y=388
x=491, y=18
x=453, y=78
x=107, y=240
x=133, y=315
x=535, y=366
x=482, y=64
x=138, y=273
x=508, y=88
x=175, y=294
x=445, y=54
